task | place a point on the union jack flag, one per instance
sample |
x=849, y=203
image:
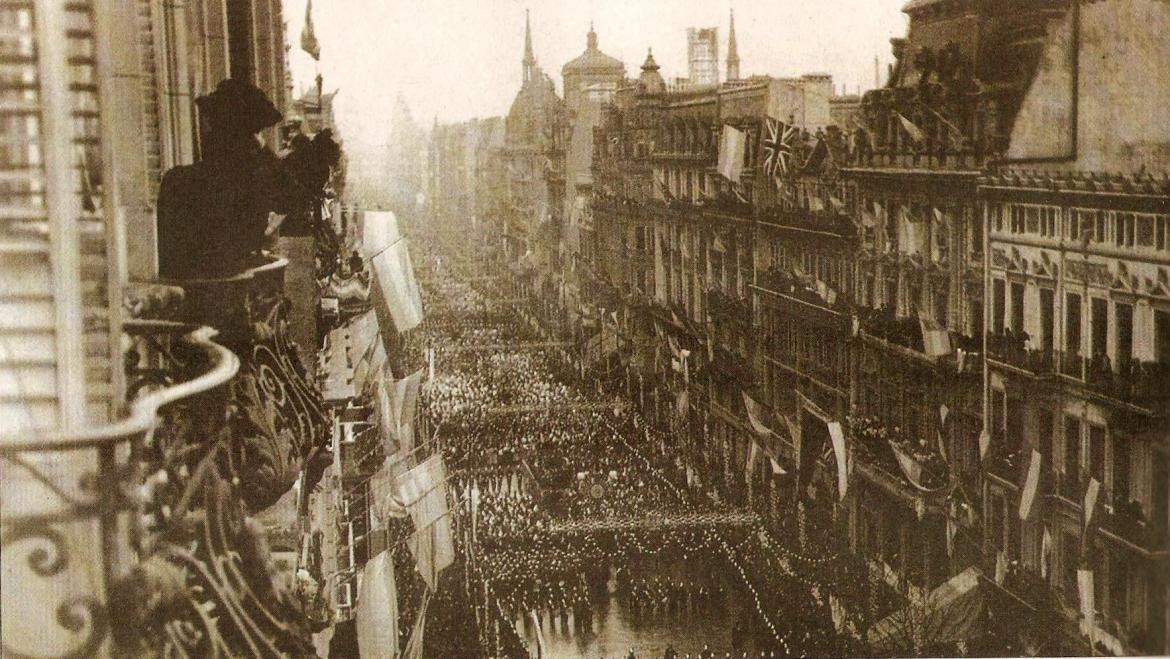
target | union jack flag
x=778, y=142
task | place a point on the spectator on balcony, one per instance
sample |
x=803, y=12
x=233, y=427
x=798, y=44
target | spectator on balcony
x=214, y=213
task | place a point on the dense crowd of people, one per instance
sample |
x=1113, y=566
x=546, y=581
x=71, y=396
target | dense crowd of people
x=535, y=452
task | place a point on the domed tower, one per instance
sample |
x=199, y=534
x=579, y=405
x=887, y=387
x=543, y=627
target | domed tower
x=591, y=69
x=651, y=82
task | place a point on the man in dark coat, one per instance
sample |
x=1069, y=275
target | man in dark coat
x=213, y=214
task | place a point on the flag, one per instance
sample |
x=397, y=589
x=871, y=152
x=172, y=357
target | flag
x=816, y=156
x=837, y=435
x=753, y=453
x=1031, y=485
x=943, y=413
x=376, y=617
x=666, y=194
x=731, y=151
x=777, y=470
x=815, y=203
x=755, y=412
x=717, y=245
x=404, y=404
x=682, y=403
x=777, y=147
x=88, y=194
x=936, y=341
x=308, y=36
x=1045, y=552
x=984, y=443
x=916, y=134
x=952, y=529
x=1090, y=504
x=1000, y=567
x=423, y=490
x=398, y=302
x=1085, y=588
x=385, y=501
x=414, y=646
x=910, y=467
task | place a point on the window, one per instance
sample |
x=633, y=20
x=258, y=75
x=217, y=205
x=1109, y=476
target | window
x=1162, y=232
x=1099, y=326
x=1162, y=336
x=1100, y=227
x=1070, y=556
x=1017, y=307
x=1072, y=324
x=1072, y=446
x=997, y=213
x=1097, y=452
x=1045, y=427
x=1124, y=228
x=1124, y=320
x=1015, y=425
x=1017, y=219
x=1074, y=225
x=1047, y=315
x=1145, y=230
x=997, y=305
x=1049, y=219
x=1120, y=470
x=977, y=235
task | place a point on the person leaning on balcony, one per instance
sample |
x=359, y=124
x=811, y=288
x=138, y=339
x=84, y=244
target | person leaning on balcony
x=213, y=214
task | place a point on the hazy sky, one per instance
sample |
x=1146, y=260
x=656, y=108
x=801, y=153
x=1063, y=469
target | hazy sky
x=457, y=59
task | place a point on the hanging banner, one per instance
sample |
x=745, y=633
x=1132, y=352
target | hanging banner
x=1031, y=485
x=376, y=618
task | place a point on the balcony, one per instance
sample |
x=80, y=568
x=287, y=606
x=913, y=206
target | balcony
x=161, y=492
x=725, y=308
x=1009, y=350
x=825, y=223
x=1144, y=385
x=1126, y=524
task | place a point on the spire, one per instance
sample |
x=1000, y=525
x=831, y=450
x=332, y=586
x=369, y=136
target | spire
x=732, y=52
x=650, y=64
x=529, y=58
x=591, y=40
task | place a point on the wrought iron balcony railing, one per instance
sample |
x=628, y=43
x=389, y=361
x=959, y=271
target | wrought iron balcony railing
x=134, y=537
x=130, y=537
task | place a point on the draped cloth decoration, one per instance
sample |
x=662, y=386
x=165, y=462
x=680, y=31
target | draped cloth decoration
x=377, y=609
x=423, y=490
x=398, y=302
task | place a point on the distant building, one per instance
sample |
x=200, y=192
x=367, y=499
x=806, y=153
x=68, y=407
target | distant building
x=703, y=56
x=529, y=135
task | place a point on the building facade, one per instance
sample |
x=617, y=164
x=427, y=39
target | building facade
x=946, y=270
x=121, y=394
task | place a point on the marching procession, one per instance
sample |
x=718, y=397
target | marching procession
x=580, y=528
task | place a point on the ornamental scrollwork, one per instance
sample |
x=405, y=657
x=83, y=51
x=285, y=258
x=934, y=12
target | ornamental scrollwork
x=36, y=556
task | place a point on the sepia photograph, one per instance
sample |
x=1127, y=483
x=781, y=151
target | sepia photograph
x=599, y=329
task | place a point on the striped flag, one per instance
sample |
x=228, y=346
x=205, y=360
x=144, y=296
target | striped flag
x=1031, y=485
